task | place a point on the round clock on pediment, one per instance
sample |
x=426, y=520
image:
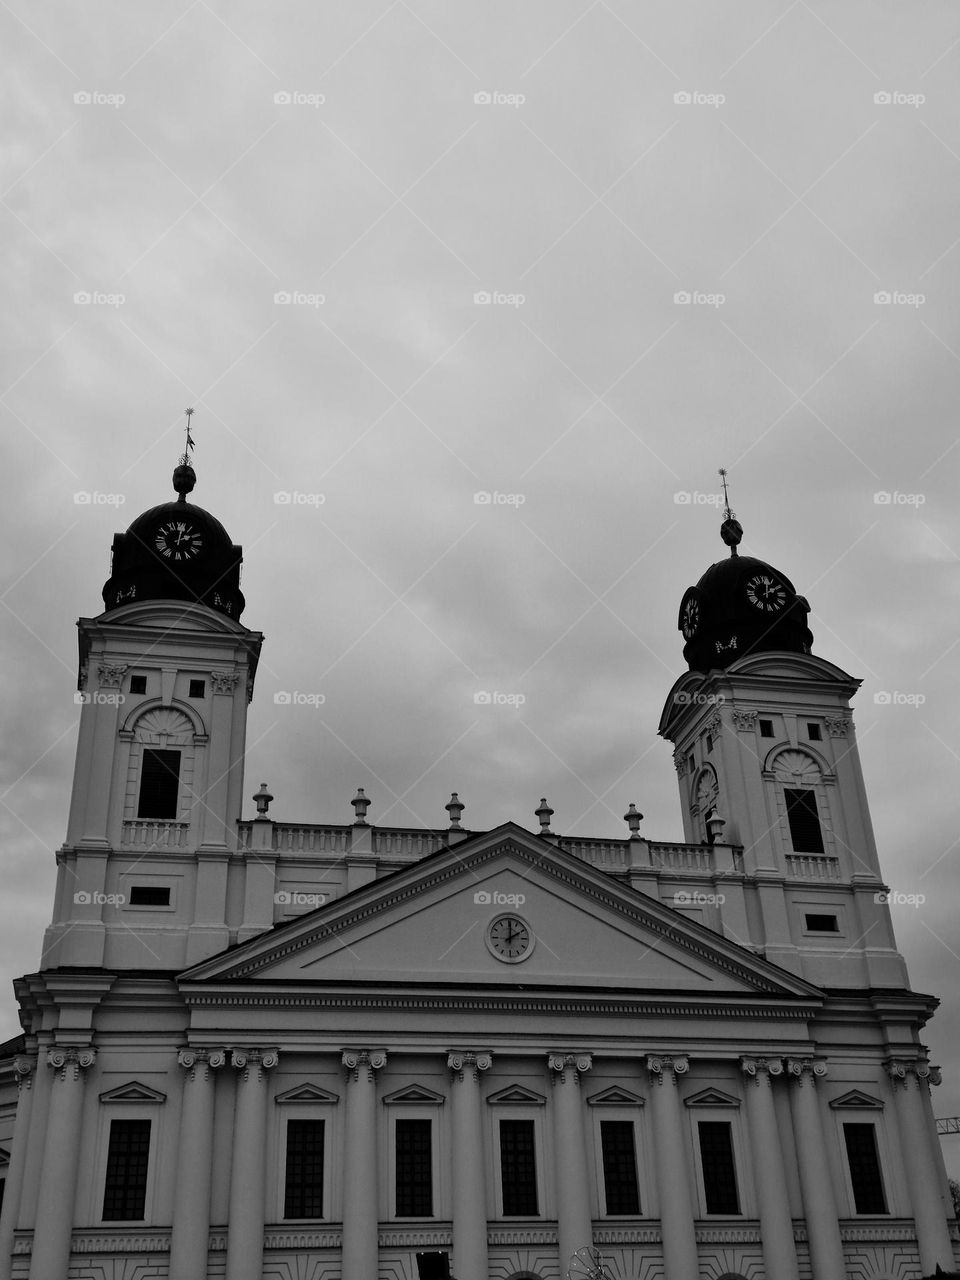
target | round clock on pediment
x=509, y=938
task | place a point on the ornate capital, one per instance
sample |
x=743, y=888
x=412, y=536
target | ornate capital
x=837, y=726
x=111, y=674
x=254, y=1060
x=460, y=1062
x=903, y=1070
x=745, y=719
x=757, y=1069
x=672, y=1065
x=713, y=725
x=224, y=681
x=576, y=1063
x=799, y=1069
x=24, y=1066
x=356, y=1060
x=680, y=762
x=197, y=1062
x=70, y=1059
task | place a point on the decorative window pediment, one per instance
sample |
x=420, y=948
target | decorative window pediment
x=4, y=1157
x=517, y=1095
x=857, y=1100
x=307, y=1093
x=615, y=1097
x=796, y=768
x=163, y=726
x=133, y=1092
x=712, y=1098
x=413, y=1094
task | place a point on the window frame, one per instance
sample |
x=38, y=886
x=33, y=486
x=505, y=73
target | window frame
x=154, y=817
x=866, y=1114
x=418, y=1111
x=297, y=1114
x=294, y=1110
x=729, y=1113
x=619, y=1115
x=124, y=1111
x=535, y=1115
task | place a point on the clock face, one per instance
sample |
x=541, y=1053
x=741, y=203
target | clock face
x=509, y=938
x=690, y=614
x=178, y=540
x=765, y=593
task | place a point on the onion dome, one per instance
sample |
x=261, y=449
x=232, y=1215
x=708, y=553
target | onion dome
x=741, y=605
x=176, y=551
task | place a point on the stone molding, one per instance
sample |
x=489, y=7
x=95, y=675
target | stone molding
x=577, y=1063
x=414, y=1237
x=649, y=1233
x=661, y=1065
x=535, y=1235
x=354, y=1059
x=224, y=681
x=462, y=1061
x=111, y=674
x=293, y=1239
x=837, y=726
x=744, y=720
x=63, y=1058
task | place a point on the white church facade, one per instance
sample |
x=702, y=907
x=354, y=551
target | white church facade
x=272, y=1050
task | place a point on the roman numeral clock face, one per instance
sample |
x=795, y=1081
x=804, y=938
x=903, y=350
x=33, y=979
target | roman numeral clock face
x=178, y=540
x=766, y=593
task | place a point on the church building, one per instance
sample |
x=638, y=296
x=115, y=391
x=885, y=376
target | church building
x=271, y=1049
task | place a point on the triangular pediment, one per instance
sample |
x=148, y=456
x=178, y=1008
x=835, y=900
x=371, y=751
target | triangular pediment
x=4, y=1157
x=615, y=1097
x=573, y=927
x=856, y=1099
x=712, y=1098
x=133, y=1092
x=517, y=1095
x=415, y=1093
x=307, y=1093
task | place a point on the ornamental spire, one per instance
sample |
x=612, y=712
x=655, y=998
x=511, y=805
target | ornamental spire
x=184, y=477
x=731, y=531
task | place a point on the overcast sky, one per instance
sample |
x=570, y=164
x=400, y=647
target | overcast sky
x=183, y=164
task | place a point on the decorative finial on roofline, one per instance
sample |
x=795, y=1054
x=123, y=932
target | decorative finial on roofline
x=731, y=531
x=184, y=477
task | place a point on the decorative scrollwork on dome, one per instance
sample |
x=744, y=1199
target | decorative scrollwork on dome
x=796, y=768
x=163, y=726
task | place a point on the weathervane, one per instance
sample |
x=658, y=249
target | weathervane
x=185, y=459
x=184, y=476
x=731, y=531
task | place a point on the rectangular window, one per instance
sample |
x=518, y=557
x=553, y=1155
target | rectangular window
x=125, y=1191
x=619, y=1166
x=804, y=820
x=813, y=732
x=414, y=1152
x=149, y=895
x=719, y=1172
x=198, y=688
x=822, y=924
x=766, y=728
x=138, y=684
x=518, y=1169
x=159, y=784
x=303, y=1184
x=864, y=1163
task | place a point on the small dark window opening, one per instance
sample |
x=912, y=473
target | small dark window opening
x=159, y=784
x=138, y=684
x=518, y=1169
x=813, y=732
x=414, y=1169
x=804, y=820
x=719, y=1173
x=198, y=688
x=619, y=1166
x=864, y=1163
x=822, y=924
x=149, y=895
x=709, y=741
x=303, y=1185
x=125, y=1191
x=766, y=728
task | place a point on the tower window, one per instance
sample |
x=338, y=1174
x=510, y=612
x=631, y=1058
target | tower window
x=138, y=684
x=125, y=1191
x=617, y=1147
x=149, y=895
x=719, y=1172
x=813, y=732
x=303, y=1186
x=864, y=1164
x=821, y=924
x=414, y=1149
x=804, y=820
x=766, y=728
x=159, y=784
x=198, y=688
x=709, y=741
x=518, y=1169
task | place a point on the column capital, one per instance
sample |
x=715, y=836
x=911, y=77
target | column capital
x=801, y=1069
x=576, y=1063
x=460, y=1061
x=904, y=1071
x=757, y=1069
x=354, y=1059
x=670, y=1064
x=193, y=1060
x=254, y=1060
x=24, y=1065
x=71, y=1058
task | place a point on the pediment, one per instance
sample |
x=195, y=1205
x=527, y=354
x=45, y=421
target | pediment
x=133, y=1092
x=857, y=1100
x=307, y=1093
x=615, y=1097
x=712, y=1098
x=429, y=923
x=415, y=1093
x=4, y=1157
x=516, y=1095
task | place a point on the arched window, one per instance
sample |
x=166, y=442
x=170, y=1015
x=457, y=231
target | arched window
x=160, y=777
x=800, y=796
x=706, y=790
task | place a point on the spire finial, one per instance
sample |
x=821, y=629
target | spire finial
x=731, y=531
x=184, y=477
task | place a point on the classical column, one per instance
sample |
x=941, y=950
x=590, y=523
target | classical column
x=191, y=1205
x=247, y=1172
x=673, y=1183
x=816, y=1184
x=23, y=1066
x=776, y=1224
x=50, y=1258
x=361, y=1171
x=469, y=1183
x=910, y=1081
x=574, y=1225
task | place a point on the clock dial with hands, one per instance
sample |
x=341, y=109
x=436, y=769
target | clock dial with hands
x=766, y=593
x=178, y=540
x=690, y=614
x=509, y=938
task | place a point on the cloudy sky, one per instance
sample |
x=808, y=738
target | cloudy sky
x=680, y=216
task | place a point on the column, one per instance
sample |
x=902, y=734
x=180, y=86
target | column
x=911, y=1097
x=361, y=1170
x=776, y=1224
x=50, y=1259
x=469, y=1182
x=574, y=1225
x=673, y=1184
x=191, y=1206
x=23, y=1067
x=247, y=1172
x=816, y=1184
